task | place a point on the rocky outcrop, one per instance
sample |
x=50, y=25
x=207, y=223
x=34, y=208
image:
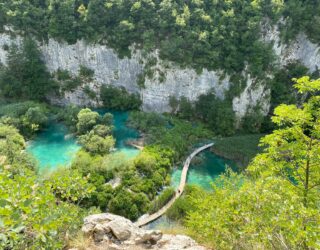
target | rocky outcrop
x=108, y=231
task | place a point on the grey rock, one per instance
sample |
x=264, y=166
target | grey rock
x=178, y=242
x=110, y=231
x=113, y=246
x=145, y=236
x=121, y=228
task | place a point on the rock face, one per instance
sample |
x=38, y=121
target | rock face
x=302, y=49
x=168, y=79
x=108, y=231
x=111, y=70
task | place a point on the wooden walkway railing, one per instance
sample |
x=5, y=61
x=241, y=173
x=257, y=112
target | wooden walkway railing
x=178, y=193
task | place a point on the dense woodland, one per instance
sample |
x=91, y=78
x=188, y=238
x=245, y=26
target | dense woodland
x=271, y=202
x=214, y=34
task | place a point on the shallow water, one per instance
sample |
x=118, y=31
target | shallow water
x=122, y=133
x=162, y=223
x=51, y=148
x=204, y=171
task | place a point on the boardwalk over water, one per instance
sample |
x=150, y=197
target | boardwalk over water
x=180, y=190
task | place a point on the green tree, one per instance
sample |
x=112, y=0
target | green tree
x=87, y=119
x=11, y=142
x=119, y=98
x=35, y=119
x=26, y=76
x=123, y=204
x=277, y=203
x=250, y=214
x=186, y=110
x=69, y=185
x=96, y=144
x=292, y=150
x=31, y=216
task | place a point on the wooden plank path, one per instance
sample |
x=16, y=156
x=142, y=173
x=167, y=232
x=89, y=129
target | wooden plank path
x=178, y=193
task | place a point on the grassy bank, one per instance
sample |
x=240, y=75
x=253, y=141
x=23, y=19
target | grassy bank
x=239, y=148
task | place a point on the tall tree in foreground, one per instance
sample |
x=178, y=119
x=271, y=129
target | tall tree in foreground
x=275, y=206
x=293, y=150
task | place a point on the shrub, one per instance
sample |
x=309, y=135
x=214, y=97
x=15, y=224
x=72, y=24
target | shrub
x=86, y=72
x=162, y=199
x=119, y=98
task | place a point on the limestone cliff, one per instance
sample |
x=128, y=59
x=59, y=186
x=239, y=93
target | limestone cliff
x=175, y=81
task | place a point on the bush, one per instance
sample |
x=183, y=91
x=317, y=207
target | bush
x=162, y=199
x=119, y=98
x=96, y=144
x=87, y=119
x=217, y=113
x=180, y=208
x=28, y=117
x=86, y=72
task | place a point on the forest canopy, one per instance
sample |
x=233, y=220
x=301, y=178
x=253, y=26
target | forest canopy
x=215, y=34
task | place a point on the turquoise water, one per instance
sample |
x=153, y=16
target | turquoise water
x=122, y=132
x=162, y=223
x=51, y=148
x=203, y=171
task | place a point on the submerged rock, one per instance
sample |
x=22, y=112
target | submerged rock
x=108, y=231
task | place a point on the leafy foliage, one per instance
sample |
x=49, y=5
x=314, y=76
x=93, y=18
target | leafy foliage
x=87, y=119
x=251, y=214
x=168, y=132
x=239, y=148
x=96, y=144
x=119, y=99
x=277, y=203
x=29, y=117
x=162, y=199
x=11, y=142
x=201, y=34
x=34, y=212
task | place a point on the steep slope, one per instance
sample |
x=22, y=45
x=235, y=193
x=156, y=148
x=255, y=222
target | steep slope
x=168, y=79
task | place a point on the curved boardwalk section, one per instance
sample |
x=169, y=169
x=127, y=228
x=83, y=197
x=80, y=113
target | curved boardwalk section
x=178, y=193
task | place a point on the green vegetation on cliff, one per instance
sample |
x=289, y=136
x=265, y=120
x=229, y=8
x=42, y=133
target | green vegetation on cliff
x=25, y=77
x=202, y=34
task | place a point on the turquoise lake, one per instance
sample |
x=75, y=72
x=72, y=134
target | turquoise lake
x=52, y=149
x=204, y=170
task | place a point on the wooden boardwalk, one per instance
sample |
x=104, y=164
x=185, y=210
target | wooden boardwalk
x=178, y=193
